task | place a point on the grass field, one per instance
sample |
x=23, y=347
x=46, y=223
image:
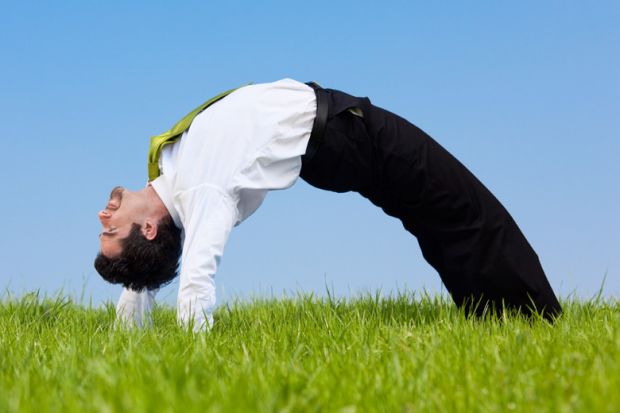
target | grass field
x=308, y=354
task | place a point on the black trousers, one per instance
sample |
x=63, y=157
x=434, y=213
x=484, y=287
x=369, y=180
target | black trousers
x=464, y=232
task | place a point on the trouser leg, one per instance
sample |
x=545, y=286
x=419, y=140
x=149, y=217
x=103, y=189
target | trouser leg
x=463, y=231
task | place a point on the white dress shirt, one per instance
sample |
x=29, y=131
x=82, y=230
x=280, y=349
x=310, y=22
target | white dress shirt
x=217, y=175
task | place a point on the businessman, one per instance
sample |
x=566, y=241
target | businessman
x=214, y=168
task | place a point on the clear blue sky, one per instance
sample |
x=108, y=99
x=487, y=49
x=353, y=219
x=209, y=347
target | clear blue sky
x=526, y=94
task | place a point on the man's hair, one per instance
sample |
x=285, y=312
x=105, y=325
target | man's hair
x=143, y=263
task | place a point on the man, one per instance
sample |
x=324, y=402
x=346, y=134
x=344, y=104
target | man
x=215, y=167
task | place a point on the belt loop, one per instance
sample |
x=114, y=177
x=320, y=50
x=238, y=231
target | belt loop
x=322, y=106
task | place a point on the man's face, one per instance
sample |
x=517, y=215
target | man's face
x=116, y=219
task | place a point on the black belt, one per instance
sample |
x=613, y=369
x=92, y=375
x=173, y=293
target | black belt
x=320, y=121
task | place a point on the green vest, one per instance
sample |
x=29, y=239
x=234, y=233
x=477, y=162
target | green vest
x=173, y=135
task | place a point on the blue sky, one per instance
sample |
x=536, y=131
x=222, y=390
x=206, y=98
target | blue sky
x=526, y=94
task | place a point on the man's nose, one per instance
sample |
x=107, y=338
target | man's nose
x=103, y=215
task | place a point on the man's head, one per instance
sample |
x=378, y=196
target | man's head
x=140, y=244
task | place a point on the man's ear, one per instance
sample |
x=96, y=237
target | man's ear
x=149, y=229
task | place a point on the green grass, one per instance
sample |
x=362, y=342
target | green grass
x=308, y=354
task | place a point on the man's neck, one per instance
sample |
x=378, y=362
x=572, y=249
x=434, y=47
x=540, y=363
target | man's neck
x=154, y=202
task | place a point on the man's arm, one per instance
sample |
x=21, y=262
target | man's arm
x=208, y=217
x=134, y=308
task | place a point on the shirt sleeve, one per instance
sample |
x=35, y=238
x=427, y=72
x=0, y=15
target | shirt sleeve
x=134, y=307
x=208, y=215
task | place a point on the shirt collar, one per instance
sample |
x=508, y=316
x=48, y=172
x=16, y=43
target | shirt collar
x=162, y=187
